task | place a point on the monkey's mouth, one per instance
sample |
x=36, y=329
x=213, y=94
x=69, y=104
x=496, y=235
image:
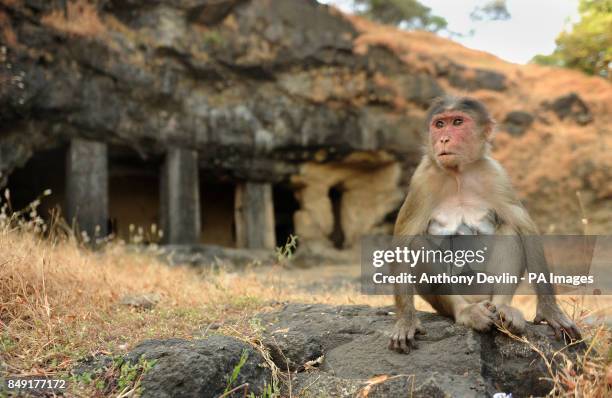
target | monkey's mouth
x=445, y=154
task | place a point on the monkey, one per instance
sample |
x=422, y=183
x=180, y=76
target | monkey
x=456, y=189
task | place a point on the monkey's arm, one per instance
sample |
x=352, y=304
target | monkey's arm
x=512, y=213
x=548, y=309
x=411, y=220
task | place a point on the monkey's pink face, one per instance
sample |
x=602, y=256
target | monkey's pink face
x=455, y=140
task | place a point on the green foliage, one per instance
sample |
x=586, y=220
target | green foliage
x=213, y=38
x=408, y=14
x=493, y=10
x=130, y=374
x=236, y=371
x=588, y=46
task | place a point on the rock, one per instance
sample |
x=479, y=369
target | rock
x=260, y=88
x=476, y=79
x=199, y=368
x=214, y=255
x=255, y=90
x=517, y=122
x=451, y=360
x=572, y=107
x=94, y=365
x=332, y=197
x=145, y=301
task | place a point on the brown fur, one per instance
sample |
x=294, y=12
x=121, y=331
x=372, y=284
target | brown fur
x=430, y=185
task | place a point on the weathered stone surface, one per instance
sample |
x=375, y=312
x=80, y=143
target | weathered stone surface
x=361, y=182
x=180, y=197
x=199, y=368
x=260, y=87
x=87, y=187
x=214, y=255
x=257, y=86
x=476, y=79
x=572, y=107
x=517, y=122
x=254, y=216
x=145, y=301
x=451, y=360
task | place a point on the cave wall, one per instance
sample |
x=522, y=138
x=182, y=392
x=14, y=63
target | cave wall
x=263, y=90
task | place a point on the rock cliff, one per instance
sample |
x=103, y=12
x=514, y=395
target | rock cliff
x=272, y=90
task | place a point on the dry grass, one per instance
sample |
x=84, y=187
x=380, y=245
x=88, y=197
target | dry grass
x=80, y=18
x=588, y=374
x=59, y=303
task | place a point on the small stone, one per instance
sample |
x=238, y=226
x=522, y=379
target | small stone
x=145, y=301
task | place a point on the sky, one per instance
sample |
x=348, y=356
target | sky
x=531, y=30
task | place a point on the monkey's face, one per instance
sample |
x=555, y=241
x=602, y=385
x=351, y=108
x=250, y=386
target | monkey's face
x=455, y=139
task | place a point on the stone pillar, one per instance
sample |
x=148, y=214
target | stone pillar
x=254, y=216
x=87, y=187
x=180, y=197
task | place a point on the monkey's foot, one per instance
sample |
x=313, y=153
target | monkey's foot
x=478, y=316
x=511, y=318
x=403, y=336
x=558, y=321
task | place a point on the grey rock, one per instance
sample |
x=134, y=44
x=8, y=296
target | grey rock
x=240, y=90
x=451, y=360
x=199, y=368
x=208, y=255
x=572, y=107
x=478, y=79
x=145, y=301
x=517, y=122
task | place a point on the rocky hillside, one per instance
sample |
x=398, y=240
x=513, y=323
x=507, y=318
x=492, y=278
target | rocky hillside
x=269, y=90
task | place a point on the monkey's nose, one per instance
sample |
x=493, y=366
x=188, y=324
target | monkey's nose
x=444, y=140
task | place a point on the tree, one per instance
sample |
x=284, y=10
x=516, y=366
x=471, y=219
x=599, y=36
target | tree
x=493, y=10
x=588, y=46
x=408, y=14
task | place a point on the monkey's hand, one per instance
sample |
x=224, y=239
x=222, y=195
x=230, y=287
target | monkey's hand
x=549, y=312
x=511, y=318
x=403, y=336
x=478, y=316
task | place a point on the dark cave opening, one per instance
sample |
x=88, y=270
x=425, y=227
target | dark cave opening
x=45, y=170
x=337, y=235
x=285, y=206
x=217, y=212
x=134, y=196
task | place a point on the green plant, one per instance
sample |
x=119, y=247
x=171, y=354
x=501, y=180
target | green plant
x=131, y=374
x=243, y=358
x=213, y=38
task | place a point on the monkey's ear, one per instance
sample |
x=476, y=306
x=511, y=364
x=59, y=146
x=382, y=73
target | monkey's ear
x=489, y=129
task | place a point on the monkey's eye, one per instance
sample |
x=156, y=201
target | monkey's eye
x=458, y=122
x=439, y=124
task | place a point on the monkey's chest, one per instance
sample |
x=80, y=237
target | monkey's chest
x=468, y=217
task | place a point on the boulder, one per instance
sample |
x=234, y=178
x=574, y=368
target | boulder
x=199, y=368
x=451, y=361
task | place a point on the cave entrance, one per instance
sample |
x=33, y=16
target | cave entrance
x=44, y=170
x=285, y=206
x=337, y=235
x=217, y=212
x=134, y=196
